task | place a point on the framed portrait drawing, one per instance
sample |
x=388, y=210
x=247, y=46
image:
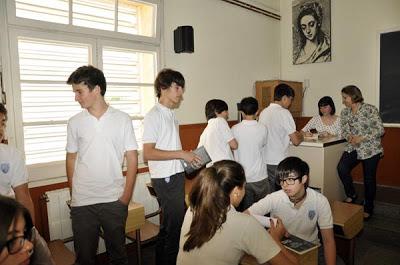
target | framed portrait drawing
x=311, y=24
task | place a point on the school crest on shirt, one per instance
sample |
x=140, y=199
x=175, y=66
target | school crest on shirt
x=311, y=214
x=5, y=167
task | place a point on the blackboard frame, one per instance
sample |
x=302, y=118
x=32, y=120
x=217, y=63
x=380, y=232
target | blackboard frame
x=389, y=76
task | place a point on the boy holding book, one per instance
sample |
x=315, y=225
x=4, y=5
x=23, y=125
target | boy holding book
x=301, y=209
x=252, y=138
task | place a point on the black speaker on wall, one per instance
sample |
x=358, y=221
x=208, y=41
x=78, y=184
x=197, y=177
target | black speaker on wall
x=184, y=39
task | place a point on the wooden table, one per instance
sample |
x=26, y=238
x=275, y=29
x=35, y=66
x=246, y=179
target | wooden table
x=134, y=222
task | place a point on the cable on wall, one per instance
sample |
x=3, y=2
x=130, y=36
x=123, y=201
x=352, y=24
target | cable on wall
x=254, y=8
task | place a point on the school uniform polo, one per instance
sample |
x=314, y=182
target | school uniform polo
x=161, y=127
x=252, y=138
x=13, y=172
x=215, y=138
x=303, y=222
x=239, y=234
x=100, y=145
x=280, y=124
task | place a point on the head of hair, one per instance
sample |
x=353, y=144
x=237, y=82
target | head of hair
x=210, y=200
x=354, y=92
x=326, y=101
x=249, y=106
x=293, y=166
x=3, y=110
x=165, y=78
x=10, y=210
x=282, y=90
x=313, y=9
x=214, y=107
x=90, y=76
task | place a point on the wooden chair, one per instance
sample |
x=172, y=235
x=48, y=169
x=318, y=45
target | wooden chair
x=149, y=231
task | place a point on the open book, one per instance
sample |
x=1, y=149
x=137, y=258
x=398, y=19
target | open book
x=205, y=159
x=298, y=245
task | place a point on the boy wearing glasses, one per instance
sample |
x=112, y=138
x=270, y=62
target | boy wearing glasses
x=301, y=209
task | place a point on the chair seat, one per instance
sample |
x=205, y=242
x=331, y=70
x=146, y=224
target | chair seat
x=148, y=232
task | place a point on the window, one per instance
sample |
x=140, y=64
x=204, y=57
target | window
x=126, y=16
x=42, y=59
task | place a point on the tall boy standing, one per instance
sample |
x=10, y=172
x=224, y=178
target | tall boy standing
x=163, y=150
x=252, y=138
x=281, y=130
x=98, y=139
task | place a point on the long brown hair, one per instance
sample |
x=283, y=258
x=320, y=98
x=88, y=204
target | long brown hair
x=210, y=201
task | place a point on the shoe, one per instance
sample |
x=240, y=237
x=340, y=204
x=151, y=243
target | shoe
x=367, y=216
x=350, y=199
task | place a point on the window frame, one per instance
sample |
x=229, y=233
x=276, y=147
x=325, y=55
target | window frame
x=53, y=172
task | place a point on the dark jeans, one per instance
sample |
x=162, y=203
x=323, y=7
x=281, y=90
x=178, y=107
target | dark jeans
x=273, y=184
x=347, y=162
x=254, y=192
x=171, y=196
x=86, y=223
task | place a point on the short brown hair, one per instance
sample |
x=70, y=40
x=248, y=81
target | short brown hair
x=165, y=78
x=354, y=92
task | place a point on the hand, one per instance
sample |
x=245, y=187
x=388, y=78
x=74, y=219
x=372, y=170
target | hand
x=277, y=231
x=124, y=200
x=308, y=134
x=324, y=134
x=355, y=139
x=191, y=158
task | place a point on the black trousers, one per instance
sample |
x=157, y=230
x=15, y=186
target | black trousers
x=86, y=223
x=171, y=196
x=347, y=162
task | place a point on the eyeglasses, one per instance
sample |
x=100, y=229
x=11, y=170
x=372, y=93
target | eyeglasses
x=15, y=244
x=288, y=181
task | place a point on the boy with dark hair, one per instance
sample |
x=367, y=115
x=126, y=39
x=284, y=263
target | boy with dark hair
x=98, y=139
x=301, y=209
x=281, y=130
x=217, y=137
x=252, y=138
x=163, y=150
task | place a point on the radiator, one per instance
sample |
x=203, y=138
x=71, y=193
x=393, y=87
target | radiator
x=59, y=214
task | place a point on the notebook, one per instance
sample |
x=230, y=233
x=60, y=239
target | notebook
x=205, y=159
x=298, y=245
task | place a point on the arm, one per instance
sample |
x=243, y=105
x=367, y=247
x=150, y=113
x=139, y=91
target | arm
x=233, y=144
x=23, y=196
x=150, y=152
x=329, y=246
x=296, y=138
x=130, y=178
x=284, y=256
x=70, y=167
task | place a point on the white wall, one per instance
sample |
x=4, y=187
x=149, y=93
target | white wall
x=233, y=47
x=355, y=27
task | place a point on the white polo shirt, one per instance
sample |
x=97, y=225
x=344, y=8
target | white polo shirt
x=315, y=211
x=161, y=127
x=252, y=138
x=279, y=123
x=13, y=172
x=215, y=138
x=100, y=145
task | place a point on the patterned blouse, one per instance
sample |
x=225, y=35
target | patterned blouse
x=367, y=123
x=316, y=123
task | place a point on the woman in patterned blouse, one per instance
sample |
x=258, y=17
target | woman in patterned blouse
x=362, y=128
x=326, y=123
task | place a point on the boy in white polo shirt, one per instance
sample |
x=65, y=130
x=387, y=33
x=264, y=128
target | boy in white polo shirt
x=252, y=138
x=281, y=130
x=98, y=139
x=301, y=209
x=163, y=150
x=217, y=138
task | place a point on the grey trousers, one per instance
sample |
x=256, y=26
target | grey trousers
x=86, y=223
x=254, y=192
x=273, y=184
x=171, y=196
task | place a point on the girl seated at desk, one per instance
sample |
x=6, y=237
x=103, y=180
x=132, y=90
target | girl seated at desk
x=214, y=233
x=326, y=123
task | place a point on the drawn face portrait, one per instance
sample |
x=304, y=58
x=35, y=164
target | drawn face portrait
x=309, y=27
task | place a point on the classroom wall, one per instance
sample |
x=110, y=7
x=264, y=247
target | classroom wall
x=233, y=47
x=355, y=26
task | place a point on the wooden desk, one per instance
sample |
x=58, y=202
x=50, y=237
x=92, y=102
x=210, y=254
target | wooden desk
x=134, y=222
x=322, y=156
